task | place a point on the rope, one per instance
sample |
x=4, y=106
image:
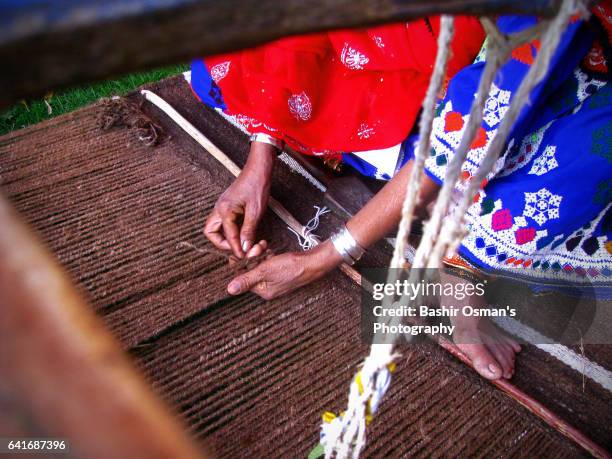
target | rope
x=346, y=434
x=498, y=52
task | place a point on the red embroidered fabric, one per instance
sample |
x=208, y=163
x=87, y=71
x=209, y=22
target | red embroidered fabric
x=342, y=91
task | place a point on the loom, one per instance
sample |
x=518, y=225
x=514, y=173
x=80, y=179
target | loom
x=106, y=301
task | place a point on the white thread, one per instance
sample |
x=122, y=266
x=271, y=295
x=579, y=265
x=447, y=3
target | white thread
x=306, y=238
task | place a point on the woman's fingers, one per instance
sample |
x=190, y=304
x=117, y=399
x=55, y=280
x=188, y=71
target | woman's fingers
x=257, y=249
x=213, y=231
x=246, y=281
x=232, y=234
x=249, y=227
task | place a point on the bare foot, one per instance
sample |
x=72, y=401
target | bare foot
x=491, y=351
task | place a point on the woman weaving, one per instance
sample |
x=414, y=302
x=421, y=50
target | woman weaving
x=545, y=211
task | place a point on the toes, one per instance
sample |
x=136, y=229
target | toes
x=484, y=362
x=504, y=356
x=516, y=347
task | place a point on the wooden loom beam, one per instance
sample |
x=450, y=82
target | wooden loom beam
x=64, y=369
x=49, y=45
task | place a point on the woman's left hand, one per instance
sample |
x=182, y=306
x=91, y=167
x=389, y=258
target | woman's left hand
x=286, y=272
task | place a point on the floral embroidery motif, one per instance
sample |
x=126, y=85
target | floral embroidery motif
x=352, y=58
x=545, y=162
x=379, y=41
x=219, y=71
x=365, y=131
x=300, y=106
x=496, y=106
x=542, y=206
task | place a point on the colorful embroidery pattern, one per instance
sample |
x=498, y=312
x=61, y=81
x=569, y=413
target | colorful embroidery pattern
x=546, y=212
x=542, y=206
x=545, y=162
x=365, y=131
x=496, y=106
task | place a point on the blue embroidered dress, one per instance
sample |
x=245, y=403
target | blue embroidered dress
x=545, y=213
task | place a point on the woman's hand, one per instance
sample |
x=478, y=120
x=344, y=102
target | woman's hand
x=233, y=222
x=284, y=273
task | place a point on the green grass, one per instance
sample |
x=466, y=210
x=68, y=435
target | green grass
x=26, y=113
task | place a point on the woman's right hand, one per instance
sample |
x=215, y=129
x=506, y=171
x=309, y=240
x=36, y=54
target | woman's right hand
x=233, y=222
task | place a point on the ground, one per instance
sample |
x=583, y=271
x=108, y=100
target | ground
x=26, y=113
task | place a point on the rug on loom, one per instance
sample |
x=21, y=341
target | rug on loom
x=251, y=377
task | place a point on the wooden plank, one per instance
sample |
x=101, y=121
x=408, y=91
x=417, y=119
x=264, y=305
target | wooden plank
x=64, y=370
x=48, y=45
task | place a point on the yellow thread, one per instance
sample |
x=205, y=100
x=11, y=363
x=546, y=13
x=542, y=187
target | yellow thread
x=328, y=417
x=358, y=382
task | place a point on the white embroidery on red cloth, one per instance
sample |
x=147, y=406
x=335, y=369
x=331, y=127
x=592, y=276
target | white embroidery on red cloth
x=300, y=106
x=219, y=71
x=352, y=58
x=365, y=131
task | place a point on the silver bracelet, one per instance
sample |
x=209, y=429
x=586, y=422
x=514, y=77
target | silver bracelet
x=347, y=246
x=265, y=138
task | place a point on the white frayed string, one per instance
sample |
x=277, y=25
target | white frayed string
x=306, y=238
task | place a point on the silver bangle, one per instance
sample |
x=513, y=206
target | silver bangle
x=347, y=246
x=265, y=138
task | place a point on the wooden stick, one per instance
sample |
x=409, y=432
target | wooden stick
x=504, y=385
x=64, y=369
x=534, y=406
